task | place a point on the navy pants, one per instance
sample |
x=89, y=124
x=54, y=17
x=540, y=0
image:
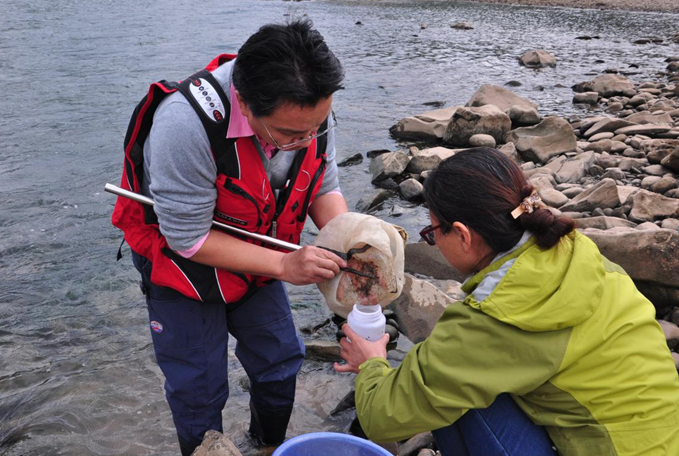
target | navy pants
x=190, y=340
x=502, y=429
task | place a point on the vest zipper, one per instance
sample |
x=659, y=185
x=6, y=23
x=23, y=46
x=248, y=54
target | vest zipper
x=239, y=191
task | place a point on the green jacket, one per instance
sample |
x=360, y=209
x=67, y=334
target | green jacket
x=563, y=330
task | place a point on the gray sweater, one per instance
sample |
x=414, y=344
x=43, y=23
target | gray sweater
x=180, y=171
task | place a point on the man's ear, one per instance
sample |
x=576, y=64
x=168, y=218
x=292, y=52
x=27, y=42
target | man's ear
x=243, y=106
x=462, y=231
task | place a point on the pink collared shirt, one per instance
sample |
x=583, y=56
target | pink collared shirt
x=240, y=128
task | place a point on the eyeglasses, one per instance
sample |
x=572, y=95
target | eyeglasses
x=427, y=234
x=309, y=138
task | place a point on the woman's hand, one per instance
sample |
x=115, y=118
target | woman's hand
x=359, y=350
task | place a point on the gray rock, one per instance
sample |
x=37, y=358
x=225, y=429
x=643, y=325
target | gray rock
x=647, y=226
x=553, y=198
x=350, y=161
x=603, y=223
x=372, y=200
x=322, y=350
x=216, y=444
x=481, y=140
x=430, y=125
x=440, y=152
x=423, y=259
x=420, y=163
x=670, y=224
x=572, y=192
x=647, y=256
x=467, y=122
x=607, y=124
x=600, y=136
x=590, y=98
x=655, y=170
x=648, y=129
x=646, y=118
x=649, y=181
x=551, y=137
x=613, y=173
x=523, y=116
x=537, y=59
x=411, y=189
x=462, y=26
x=388, y=165
x=671, y=161
x=419, y=307
x=606, y=85
x=509, y=150
x=649, y=206
x=602, y=195
x=573, y=170
x=500, y=97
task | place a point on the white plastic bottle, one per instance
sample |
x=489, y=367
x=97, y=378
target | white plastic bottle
x=367, y=321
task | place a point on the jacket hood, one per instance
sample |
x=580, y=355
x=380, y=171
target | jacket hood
x=538, y=289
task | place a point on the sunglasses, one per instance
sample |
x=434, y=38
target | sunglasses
x=427, y=234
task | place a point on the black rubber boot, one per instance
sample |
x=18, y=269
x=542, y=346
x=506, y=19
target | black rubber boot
x=268, y=428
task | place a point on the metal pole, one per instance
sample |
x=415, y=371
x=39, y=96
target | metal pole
x=260, y=237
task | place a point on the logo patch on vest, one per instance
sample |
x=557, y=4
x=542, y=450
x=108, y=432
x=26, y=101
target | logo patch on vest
x=157, y=327
x=228, y=218
x=208, y=99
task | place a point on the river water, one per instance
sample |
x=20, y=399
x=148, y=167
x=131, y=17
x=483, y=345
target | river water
x=77, y=372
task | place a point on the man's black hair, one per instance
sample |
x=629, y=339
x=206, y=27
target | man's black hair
x=286, y=64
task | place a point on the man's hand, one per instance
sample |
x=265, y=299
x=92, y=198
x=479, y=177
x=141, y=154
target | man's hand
x=309, y=265
x=359, y=350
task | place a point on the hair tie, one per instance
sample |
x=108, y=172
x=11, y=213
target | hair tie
x=529, y=204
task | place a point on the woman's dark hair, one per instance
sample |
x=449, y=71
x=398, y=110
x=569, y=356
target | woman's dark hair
x=286, y=64
x=480, y=188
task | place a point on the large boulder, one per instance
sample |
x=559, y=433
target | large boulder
x=650, y=256
x=648, y=206
x=499, y=96
x=388, y=165
x=423, y=259
x=419, y=307
x=571, y=171
x=429, y=126
x=602, y=195
x=467, y=122
x=551, y=137
x=441, y=152
x=646, y=117
x=606, y=85
x=538, y=58
x=609, y=124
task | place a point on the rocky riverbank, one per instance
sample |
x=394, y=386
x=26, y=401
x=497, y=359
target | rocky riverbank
x=613, y=169
x=667, y=6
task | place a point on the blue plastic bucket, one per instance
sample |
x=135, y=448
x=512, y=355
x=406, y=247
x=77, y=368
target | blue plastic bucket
x=329, y=444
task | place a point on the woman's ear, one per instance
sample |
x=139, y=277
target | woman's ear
x=462, y=231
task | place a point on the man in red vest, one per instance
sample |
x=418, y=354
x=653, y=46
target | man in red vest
x=249, y=142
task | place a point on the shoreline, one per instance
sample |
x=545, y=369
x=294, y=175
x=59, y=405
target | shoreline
x=659, y=6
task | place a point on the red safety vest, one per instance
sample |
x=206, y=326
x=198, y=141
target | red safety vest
x=245, y=198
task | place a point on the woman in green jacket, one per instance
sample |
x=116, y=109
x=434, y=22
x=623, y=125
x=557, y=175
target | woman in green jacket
x=552, y=339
